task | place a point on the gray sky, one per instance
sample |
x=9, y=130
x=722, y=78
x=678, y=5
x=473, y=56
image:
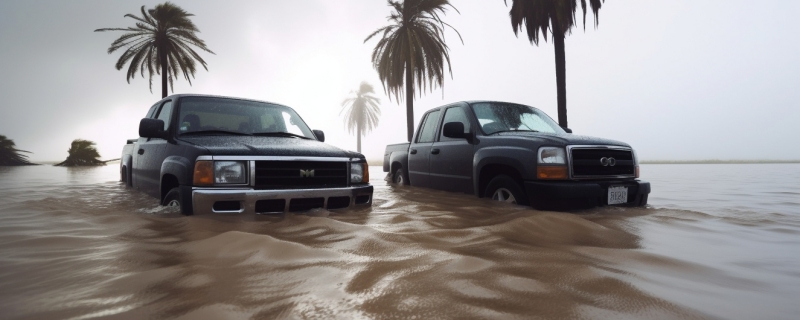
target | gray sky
x=712, y=79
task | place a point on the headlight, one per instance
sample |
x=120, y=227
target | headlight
x=229, y=172
x=209, y=173
x=552, y=155
x=359, y=172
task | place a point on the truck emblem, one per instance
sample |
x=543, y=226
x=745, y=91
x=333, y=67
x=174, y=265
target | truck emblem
x=608, y=162
x=306, y=173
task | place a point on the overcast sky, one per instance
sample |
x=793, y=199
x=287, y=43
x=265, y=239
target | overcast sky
x=711, y=79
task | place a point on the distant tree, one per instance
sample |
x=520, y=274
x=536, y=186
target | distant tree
x=10, y=155
x=82, y=153
x=558, y=16
x=160, y=43
x=412, y=46
x=361, y=112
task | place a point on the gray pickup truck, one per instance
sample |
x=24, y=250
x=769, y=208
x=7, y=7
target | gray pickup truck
x=515, y=153
x=208, y=154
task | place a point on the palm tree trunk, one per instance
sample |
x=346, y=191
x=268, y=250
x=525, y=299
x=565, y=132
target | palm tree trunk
x=409, y=100
x=358, y=137
x=162, y=56
x=561, y=74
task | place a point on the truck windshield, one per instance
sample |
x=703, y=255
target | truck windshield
x=499, y=117
x=200, y=115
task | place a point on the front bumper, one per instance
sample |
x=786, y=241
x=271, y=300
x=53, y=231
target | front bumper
x=211, y=200
x=561, y=195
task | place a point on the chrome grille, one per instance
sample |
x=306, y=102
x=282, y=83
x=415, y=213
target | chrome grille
x=300, y=175
x=588, y=162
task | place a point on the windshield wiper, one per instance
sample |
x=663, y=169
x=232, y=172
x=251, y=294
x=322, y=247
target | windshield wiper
x=280, y=134
x=215, y=132
x=513, y=131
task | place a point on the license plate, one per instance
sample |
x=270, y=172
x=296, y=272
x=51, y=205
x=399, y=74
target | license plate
x=617, y=195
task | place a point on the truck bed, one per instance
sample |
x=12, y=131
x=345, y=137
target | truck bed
x=397, y=149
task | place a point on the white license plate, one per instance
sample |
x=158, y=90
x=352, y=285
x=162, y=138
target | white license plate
x=617, y=195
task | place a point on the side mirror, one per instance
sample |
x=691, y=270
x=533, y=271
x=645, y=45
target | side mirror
x=568, y=130
x=454, y=130
x=152, y=128
x=320, y=135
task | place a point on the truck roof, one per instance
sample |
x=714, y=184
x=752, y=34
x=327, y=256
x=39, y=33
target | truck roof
x=184, y=95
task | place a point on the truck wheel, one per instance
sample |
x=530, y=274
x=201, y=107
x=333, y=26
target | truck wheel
x=123, y=174
x=173, y=199
x=503, y=188
x=399, y=177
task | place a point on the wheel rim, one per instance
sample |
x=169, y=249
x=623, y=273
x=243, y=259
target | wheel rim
x=174, y=204
x=399, y=179
x=504, y=195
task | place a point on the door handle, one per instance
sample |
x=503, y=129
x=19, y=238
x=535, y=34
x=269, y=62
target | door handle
x=434, y=151
x=413, y=151
x=141, y=151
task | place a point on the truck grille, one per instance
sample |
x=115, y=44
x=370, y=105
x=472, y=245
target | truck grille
x=587, y=162
x=300, y=175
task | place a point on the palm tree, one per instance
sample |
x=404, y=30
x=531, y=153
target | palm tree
x=412, y=45
x=10, y=155
x=160, y=43
x=559, y=17
x=82, y=153
x=361, y=112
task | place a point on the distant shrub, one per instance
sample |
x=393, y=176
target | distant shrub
x=82, y=153
x=10, y=155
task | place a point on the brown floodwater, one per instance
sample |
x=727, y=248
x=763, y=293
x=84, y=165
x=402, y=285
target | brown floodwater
x=716, y=241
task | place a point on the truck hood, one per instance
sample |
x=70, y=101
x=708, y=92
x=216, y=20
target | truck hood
x=563, y=139
x=267, y=146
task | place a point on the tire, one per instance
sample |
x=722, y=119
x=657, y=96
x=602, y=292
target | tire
x=504, y=188
x=125, y=176
x=173, y=199
x=399, y=177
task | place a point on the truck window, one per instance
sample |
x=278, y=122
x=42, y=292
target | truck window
x=248, y=117
x=152, y=113
x=428, y=132
x=165, y=113
x=292, y=121
x=499, y=117
x=456, y=114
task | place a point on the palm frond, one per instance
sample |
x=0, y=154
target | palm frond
x=538, y=16
x=164, y=31
x=413, y=42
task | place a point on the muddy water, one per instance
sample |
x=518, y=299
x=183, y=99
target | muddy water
x=718, y=241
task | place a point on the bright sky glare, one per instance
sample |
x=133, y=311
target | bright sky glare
x=678, y=80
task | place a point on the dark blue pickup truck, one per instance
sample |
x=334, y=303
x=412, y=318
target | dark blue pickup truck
x=208, y=154
x=515, y=153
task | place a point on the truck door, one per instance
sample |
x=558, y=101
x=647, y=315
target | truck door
x=451, y=159
x=148, y=155
x=420, y=150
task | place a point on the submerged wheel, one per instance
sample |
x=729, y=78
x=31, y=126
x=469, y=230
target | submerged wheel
x=123, y=174
x=504, y=189
x=399, y=177
x=173, y=199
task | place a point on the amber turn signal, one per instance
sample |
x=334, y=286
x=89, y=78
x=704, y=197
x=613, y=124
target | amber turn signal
x=203, y=173
x=365, y=179
x=551, y=172
x=637, y=172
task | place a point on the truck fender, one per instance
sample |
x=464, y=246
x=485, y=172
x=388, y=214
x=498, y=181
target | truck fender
x=506, y=155
x=398, y=157
x=127, y=162
x=179, y=167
